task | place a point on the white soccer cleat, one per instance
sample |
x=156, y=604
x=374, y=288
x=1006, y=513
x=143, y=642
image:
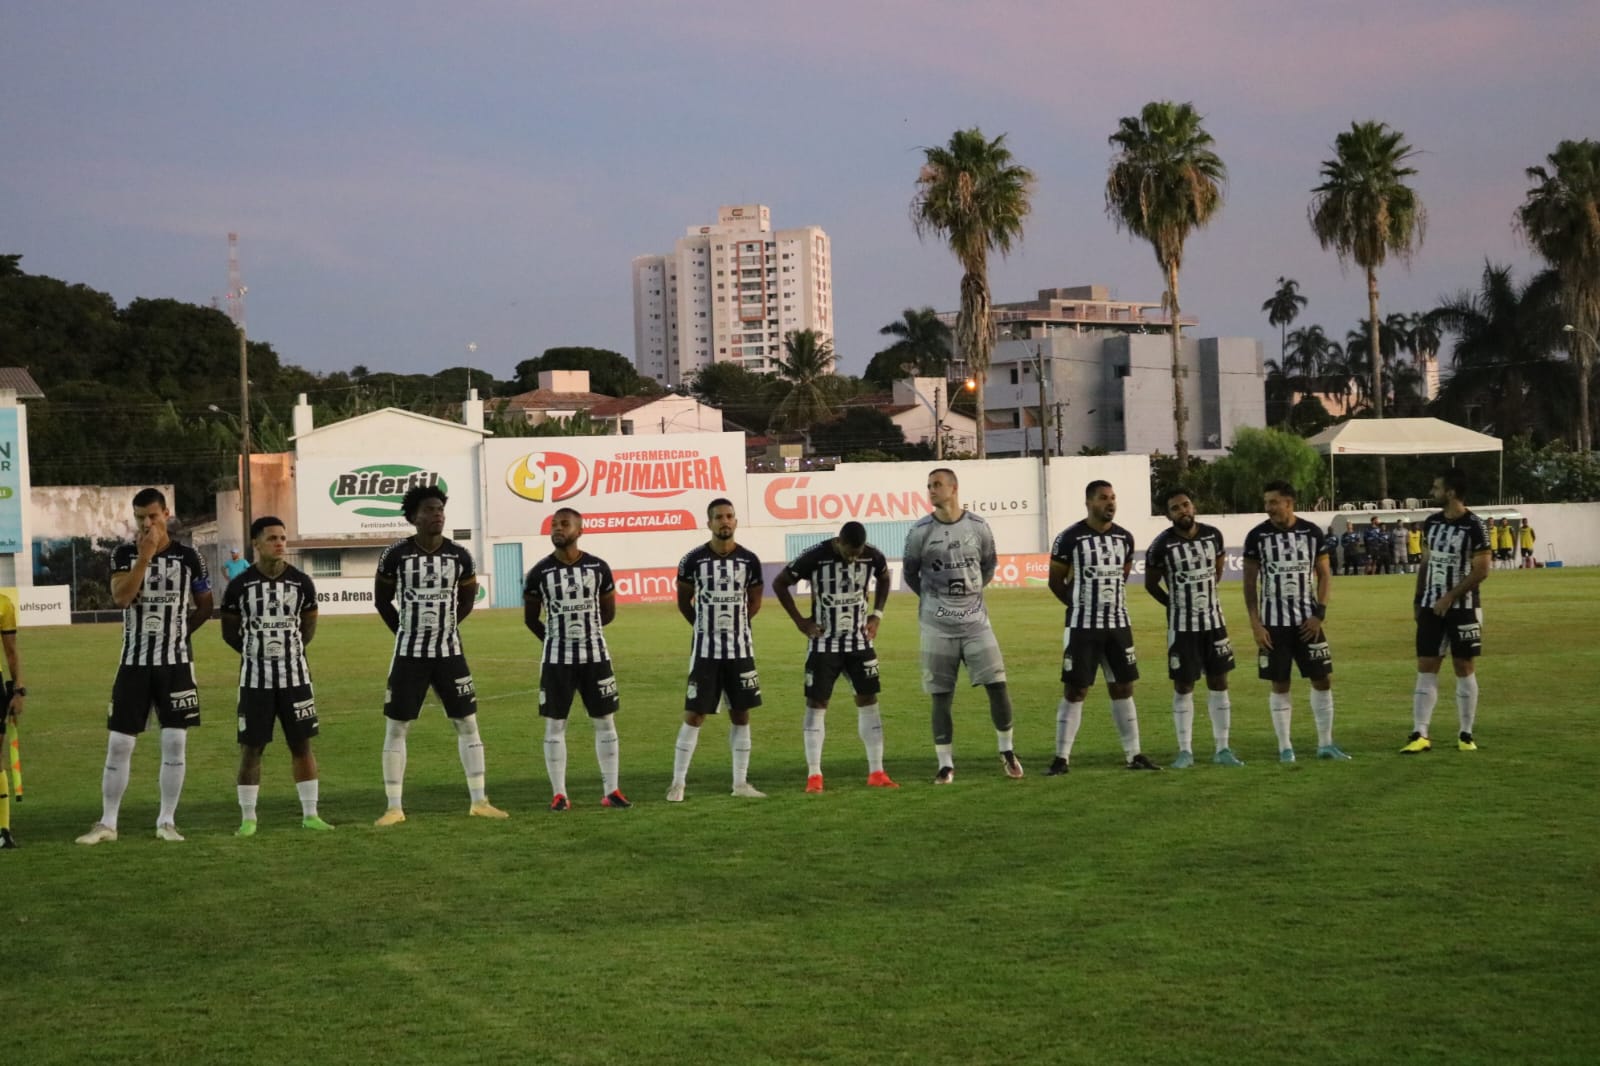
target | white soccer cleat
x=675, y=793
x=99, y=833
x=169, y=832
x=745, y=790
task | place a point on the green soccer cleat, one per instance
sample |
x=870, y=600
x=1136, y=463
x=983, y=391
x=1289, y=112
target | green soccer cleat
x=247, y=828
x=1331, y=751
x=1226, y=757
x=1183, y=761
x=312, y=821
x=1286, y=755
x=1416, y=744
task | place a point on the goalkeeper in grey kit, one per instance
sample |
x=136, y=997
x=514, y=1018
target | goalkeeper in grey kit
x=949, y=558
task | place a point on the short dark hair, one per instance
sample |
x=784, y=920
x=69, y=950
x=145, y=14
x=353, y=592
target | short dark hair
x=1455, y=480
x=720, y=501
x=945, y=470
x=1282, y=488
x=411, y=502
x=573, y=511
x=1176, y=490
x=853, y=534
x=1093, y=487
x=145, y=497
x=266, y=521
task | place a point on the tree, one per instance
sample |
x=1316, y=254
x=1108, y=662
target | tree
x=610, y=372
x=1560, y=218
x=740, y=394
x=1165, y=182
x=857, y=431
x=807, y=368
x=1261, y=455
x=1283, y=309
x=922, y=347
x=1504, y=377
x=1365, y=211
x=973, y=194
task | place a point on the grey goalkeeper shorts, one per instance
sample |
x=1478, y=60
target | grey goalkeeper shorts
x=942, y=656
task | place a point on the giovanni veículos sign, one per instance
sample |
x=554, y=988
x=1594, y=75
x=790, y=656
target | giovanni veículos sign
x=362, y=496
x=620, y=484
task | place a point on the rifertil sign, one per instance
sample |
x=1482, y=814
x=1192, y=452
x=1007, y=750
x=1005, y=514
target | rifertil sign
x=619, y=484
x=363, y=496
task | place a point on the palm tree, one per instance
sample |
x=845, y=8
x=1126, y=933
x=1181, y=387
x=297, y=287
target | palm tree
x=973, y=194
x=1504, y=376
x=1306, y=356
x=1365, y=211
x=922, y=346
x=807, y=369
x=1165, y=181
x=1283, y=309
x=1560, y=217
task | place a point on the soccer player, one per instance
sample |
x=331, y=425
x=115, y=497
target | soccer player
x=1355, y=550
x=575, y=593
x=1414, y=546
x=841, y=632
x=1449, y=609
x=1089, y=565
x=1526, y=538
x=1504, y=542
x=15, y=695
x=1286, y=584
x=435, y=583
x=269, y=615
x=1377, y=544
x=949, y=557
x=719, y=591
x=153, y=580
x=1181, y=572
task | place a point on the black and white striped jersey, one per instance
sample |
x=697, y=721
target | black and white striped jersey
x=155, y=626
x=269, y=610
x=1099, y=581
x=839, y=593
x=1188, y=567
x=571, y=595
x=1288, y=558
x=425, y=596
x=721, y=618
x=1450, y=544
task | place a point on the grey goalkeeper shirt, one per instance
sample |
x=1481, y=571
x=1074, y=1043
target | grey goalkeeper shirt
x=947, y=564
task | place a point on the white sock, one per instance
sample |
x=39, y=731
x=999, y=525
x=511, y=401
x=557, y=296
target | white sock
x=308, y=797
x=470, y=746
x=394, y=760
x=114, y=782
x=1281, y=706
x=812, y=734
x=607, y=751
x=247, y=802
x=174, y=745
x=1126, y=717
x=1322, y=712
x=1069, y=716
x=1423, y=698
x=688, y=737
x=555, y=754
x=1467, y=701
x=1220, y=706
x=869, y=726
x=1183, y=719
x=1002, y=739
x=739, y=744
x=946, y=754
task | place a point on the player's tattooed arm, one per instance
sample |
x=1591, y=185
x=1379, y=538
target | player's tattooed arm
x=383, y=588
x=201, y=610
x=532, y=607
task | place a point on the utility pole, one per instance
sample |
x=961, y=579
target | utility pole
x=1059, y=445
x=938, y=425
x=236, y=291
x=1044, y=408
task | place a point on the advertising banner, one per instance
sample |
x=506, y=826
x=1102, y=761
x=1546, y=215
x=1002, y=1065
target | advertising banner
x=344, y=496
x=619, y=484
x=10, y=484
x=353, y=595
x=41, y=605
x=870, y=492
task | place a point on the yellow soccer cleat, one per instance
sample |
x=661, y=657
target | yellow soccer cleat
x=1416, y=744
x=1466, y=743
x=392, y=816
x=485, y=809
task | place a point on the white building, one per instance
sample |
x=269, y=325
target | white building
x=728, y=293
x=564, y=393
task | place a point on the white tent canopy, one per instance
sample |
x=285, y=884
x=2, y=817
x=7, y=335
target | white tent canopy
x=1402, y=436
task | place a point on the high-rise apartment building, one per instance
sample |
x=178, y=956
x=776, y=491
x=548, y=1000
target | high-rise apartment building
x=729, y=292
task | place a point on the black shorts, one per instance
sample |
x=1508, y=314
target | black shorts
x=1502, y=553
x=711, y=679
x=410, y=679
x=167, y=690
x=824, y=667
x=260, y=707
x=1289, y=648
x=1191, y=656
x=1527, y=553
x=595, y=682
x=1459, y=633
x=1084, y=651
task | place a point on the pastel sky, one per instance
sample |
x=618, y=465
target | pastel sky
x=409, y=177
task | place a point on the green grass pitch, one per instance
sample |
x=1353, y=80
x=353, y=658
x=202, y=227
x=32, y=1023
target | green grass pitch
x=1433, y=909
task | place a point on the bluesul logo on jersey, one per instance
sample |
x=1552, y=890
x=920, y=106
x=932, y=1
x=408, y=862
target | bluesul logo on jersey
x=375, y=491
x=652, y=474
